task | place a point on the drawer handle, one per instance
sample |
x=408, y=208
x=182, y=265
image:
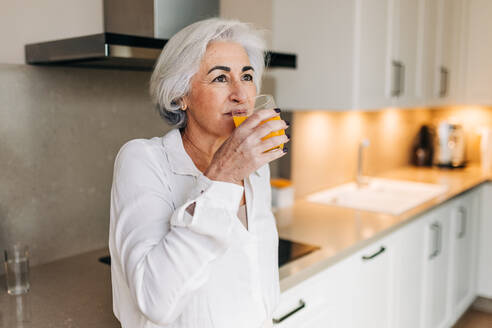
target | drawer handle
x=301, y=305
x=443, y=91
x=381, y=250
x=463, y=218
x=437, y=240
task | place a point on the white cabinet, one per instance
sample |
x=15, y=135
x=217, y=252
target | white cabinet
x=450, y=40
x=372, y=54
x=440, y=72
x=462, y=243
x=436, y=251
x=444, y=50
x=387, y=44
x=352, y=54
x=324, y=300
x=404, y=44
x=373, y=292
x=426, y=70
x=484, y=277
x=422, y=275
x=479, y=52
x=409, y=261
x=321, y=33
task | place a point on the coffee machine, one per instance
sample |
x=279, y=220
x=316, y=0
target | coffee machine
x=449, y=145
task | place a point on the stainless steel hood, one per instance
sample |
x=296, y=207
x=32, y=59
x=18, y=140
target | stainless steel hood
x=135, y=33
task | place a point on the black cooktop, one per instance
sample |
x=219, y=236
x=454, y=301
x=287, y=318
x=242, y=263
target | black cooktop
x=288, y=251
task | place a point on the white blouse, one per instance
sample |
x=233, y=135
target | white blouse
x=171, y=269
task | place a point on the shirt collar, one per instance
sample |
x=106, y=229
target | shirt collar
x=179, y=160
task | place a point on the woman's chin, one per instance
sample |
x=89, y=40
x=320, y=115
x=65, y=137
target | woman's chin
x=227, y=128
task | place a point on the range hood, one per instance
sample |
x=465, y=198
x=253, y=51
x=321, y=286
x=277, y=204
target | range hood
x=134, y=34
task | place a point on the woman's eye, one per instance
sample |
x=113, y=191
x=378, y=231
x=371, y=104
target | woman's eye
x=248, y=77
x=220, y=78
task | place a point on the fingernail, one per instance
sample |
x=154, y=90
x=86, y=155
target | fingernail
x=277, y=110
x=285, y=149
x=288, y=135
x=287, y=122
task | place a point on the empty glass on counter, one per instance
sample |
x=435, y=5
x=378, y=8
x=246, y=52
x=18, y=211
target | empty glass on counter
x=17, y=269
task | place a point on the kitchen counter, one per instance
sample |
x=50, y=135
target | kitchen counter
x=76, y=291
x=70, y=293
x=341, y=232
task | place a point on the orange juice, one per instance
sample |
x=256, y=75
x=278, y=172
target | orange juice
x=238, y=120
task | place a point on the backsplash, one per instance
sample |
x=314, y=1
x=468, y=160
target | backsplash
x=325, y=143
x=60, y=130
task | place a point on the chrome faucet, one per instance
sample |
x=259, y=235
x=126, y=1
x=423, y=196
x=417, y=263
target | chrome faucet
x=359, y=179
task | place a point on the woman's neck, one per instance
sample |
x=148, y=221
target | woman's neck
x=200, y=147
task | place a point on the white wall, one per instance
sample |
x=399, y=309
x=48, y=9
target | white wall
x=29, y=21
x=257, y=12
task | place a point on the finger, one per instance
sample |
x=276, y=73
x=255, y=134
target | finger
x=272, y=155
x=269, y=127
x=273, y=142
x=259, y=116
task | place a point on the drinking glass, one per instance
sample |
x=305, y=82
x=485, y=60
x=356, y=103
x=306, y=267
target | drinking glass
x=17, y=269
x=261, y=102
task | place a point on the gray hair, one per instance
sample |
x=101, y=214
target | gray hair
x=180, y=60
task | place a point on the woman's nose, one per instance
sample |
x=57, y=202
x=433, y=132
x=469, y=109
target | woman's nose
x=238, y=93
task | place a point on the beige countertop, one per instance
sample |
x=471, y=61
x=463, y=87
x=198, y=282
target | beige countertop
x=76, y=291
x=70, y=293
x=341, y=232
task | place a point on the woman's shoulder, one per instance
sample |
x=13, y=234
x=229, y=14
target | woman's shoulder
x=139, y=147
x=141, y=153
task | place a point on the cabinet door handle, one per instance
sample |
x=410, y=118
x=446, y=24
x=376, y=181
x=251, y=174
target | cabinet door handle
x=301, y=305
x=443, y=81
x=436, y=227
x=401, y=88
x=463, y=218
x=368, y=257
x=396, y=88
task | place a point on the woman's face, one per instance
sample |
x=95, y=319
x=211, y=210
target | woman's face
x=223, y=82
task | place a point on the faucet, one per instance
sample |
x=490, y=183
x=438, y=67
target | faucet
x=359, y=180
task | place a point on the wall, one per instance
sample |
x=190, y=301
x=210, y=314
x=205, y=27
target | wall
x=327, y=142
x=257, y=12
x=29, y=21
x=60, y=129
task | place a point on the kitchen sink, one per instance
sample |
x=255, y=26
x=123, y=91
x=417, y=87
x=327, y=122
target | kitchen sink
x=379, y=195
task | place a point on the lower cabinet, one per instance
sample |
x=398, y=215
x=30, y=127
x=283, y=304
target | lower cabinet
x=373, y=280
x=463, y=246
x=409, y=264
x=422, y=275
x=484, y=283
x=435, y=268
x=324, y=300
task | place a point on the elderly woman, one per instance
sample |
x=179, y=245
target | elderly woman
x=193, y=240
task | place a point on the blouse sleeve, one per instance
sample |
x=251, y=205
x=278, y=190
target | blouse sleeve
x=165, y=254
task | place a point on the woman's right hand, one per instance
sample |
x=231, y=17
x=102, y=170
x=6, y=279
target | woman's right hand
x=244, y=151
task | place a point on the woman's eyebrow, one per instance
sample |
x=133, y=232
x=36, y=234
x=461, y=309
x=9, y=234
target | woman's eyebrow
x=224, y=68
x=247, y=68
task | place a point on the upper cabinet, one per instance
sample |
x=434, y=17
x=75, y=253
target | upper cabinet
x=371, y=54
x=443, y=40
x=351, y=54
x=387, y=42
x=321, y=33
x=479, y=52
